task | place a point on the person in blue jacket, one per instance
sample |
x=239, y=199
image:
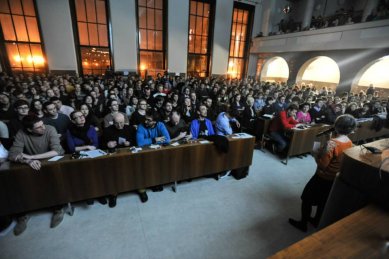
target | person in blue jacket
x=202, y=126
x=152, y=132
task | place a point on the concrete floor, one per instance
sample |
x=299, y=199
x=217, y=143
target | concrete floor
x=205, y=219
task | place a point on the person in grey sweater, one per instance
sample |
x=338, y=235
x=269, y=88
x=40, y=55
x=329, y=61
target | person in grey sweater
x=34, y=142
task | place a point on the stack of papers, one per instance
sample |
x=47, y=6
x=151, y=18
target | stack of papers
x=241, y=135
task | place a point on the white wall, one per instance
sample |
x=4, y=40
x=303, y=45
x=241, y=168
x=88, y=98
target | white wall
x=56, y=24
x=123, y=17
x=178, y=35
x=221, y=39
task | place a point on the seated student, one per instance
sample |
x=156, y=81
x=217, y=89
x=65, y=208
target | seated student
x=34, y=142
x=317, y=112
x=328, y=162
x=59, y=121
x=284, y=121
x=15, y=124
x=364, y=112
x=151, y=132
x=268, y=109
x=113, y=106
x=138, y=116
x=80, y=136
x=332, y=112
x=177, y=127
x=352, y=109
x=249, y=116
x=90, y=117
x=201, y=126
x=224, y=119
x=303, y=115
x=116, y=136
x=6, y=109
x=61, y=108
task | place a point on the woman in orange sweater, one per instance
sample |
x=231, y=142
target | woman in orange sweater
x=328, y=162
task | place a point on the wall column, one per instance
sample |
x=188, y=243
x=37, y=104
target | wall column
x=370, y=6
x=309, y=5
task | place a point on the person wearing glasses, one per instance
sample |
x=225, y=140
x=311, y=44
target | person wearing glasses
x=35, y=141
x=22, y=108
x=113, y=106
x=138, y=116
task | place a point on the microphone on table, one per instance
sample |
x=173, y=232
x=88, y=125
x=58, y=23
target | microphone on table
x=326, y=132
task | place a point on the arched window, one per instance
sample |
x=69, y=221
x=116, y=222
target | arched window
x=321, y=72
x=375, y=73
x=275, y=69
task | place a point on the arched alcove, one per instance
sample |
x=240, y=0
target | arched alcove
x=320, y=71
x=375, y=73
x=275, y=69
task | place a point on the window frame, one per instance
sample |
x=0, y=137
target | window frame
x=4, y=59
x=164, y=35
x=250, y=21
x=211, y=27
x=77, y=44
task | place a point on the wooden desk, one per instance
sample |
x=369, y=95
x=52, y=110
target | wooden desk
x=23, y=189
x=364, y=132
x=364, y=234
x=301, y=141
x=358, y=183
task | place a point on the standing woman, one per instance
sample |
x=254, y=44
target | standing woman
x=80, y=136
x=328, y=162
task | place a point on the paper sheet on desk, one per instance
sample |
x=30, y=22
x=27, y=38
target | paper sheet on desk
x=241, y=135
x=174, y=144
x=155, y=146
x=93, y=153
x=204, y=141
x=55, y=158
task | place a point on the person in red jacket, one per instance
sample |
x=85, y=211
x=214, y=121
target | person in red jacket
x=284, y=121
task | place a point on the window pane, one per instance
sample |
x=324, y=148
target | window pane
x=142, y=18
x=6, y=24
x=205, y=26
x=37, y=55
x=93, y=37
x=158, y=40
x=245, y=17
x=158, y=4
x=198, y=44
x=83, y=33
x=103, y=35
x=142, y=2
x=142, y=39
x=80, y=10
x=16, y=7
x=236, y=49
x=150, y=40
x=206, y=10
x=158, y=20
x=25, y=55
x=241, y=49
x=192, y=24
x=4, y=6
x=243, y=33
x=20, y=28
x=150, y=19
x=191, y=43
x=193, y=6
x=90, y=10
x=33, y=31
x=100, y=5
x=150, y=3
x=200, y=7
x=13, y=55
x=204, y=42
x=235, y=15
x=28, y=7
x=232, y=45
x=240, y=16
x=199, y=25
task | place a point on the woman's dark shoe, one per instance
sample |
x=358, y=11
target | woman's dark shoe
x=102, y=200
x=314, y=222
x=298, y=224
